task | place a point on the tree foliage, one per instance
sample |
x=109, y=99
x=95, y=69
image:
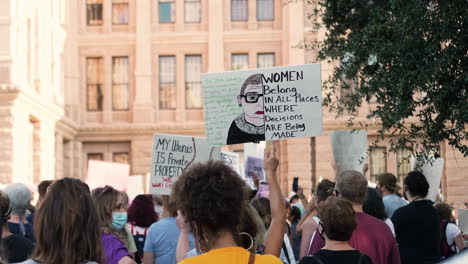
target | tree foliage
x=410, y=59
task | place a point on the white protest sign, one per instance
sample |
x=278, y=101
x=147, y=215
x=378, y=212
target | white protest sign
x=135, y=186
x=232, y=159
x=463, y=220
x=263, y=104
x=253, y=165
x=349, y=149
x=432, y=169
x=172, y=154
x=101, y=173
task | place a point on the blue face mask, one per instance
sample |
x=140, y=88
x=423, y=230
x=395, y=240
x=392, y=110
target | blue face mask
x=119, y=219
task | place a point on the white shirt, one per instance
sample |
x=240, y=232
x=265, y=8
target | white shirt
x=451, y=233
x=390, y=224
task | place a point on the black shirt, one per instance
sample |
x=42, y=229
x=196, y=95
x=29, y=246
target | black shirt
x=237, y=136
x=417, y=232
x=326, y=256
x=18, y=248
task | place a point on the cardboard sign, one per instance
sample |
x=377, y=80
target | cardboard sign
x=232, y=159
x=101, y=173
x=463, y=220
x=349, y=149
x=173, y=154
x=252, y=165
x=263, y=104
x=432, y=169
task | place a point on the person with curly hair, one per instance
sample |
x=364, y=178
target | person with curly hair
x=14, y=248
x=140, y=217
x=112, y=215
x=66, y=226
x=452, y=237
x=211, y=197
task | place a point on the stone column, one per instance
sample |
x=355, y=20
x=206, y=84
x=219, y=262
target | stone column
x=215, y=38
x=143, y=104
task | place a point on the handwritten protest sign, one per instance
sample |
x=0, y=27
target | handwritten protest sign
x=252, y=165
x=101, y=173
x=232, y=159
x=432, y=169
x=263, y=104
x=172, y=154
x=349, y=149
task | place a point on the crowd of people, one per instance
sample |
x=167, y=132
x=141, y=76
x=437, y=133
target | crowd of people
x=212, y=216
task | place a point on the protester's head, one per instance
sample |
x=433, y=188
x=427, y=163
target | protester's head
x=387, y=183
x=20, y=197
x=294, y=214
x=262, y=205
x=251, y=98
x=211, y=197
x=445, y=211
x=374, y=205
x=141, y=211
x=337, y=219
x=324, y=190
x=352, y=185
x=110, y=206
x=42, y=189
x=65, y=225
x=251, y=225
x=416, y=185
x=294, y=199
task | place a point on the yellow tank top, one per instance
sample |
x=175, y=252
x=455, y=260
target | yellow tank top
x=230, y=255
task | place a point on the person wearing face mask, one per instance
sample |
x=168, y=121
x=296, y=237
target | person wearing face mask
x=387, y=186
x=162, y=237
x=417, y=224
x=249, y=126
x=112, y=216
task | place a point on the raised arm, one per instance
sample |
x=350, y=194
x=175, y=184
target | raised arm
x=275, y=233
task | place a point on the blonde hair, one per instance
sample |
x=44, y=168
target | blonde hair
x=352, y=185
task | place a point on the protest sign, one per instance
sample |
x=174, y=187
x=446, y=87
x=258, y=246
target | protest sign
x=252, y=165
x=463, y=220
x=349, y=149
x=172, y=154
x=232, y=159
x=263, y=104
x=135, y=186
x=101, y=173
x=432, y=169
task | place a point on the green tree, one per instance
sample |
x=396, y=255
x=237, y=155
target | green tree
x=409, y=57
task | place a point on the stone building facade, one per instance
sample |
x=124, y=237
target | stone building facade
x=95, y=79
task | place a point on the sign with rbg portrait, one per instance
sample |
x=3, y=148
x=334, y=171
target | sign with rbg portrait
x=263, y=104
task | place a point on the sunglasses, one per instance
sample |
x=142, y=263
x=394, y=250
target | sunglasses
x=251, y=98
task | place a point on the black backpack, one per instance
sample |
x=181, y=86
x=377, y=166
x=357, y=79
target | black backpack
x=140, y=244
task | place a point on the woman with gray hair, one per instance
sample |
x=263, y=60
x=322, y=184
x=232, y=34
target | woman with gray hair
x=20, y=197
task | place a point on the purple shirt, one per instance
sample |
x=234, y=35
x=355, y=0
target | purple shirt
x=371, y=237
x=114, y=249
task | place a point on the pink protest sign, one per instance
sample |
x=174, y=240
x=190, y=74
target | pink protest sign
x=101, y=173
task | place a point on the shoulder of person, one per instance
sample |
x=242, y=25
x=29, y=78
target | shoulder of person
x=453, y=229
x=29, y=261
x=309, y=260
x=267, y=259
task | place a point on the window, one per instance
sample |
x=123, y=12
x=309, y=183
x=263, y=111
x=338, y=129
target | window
x=120, y=157
x=120, y=89
x=192, y=11
x=167, y=82
x=403, y=164
x=239, y=10
x=94, y=84
x=120, y=12
x=193, y=87
x=378, y=162
x=95, y=156
x=265, y=10
x=239, y=62
x=166, y=11
x=265, y=60
x=94, y=12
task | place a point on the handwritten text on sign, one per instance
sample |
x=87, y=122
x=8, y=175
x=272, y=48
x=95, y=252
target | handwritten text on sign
x=263, y=104
x=172, y=155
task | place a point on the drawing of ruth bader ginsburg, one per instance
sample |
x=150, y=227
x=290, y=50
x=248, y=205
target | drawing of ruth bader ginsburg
x=250, y=125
